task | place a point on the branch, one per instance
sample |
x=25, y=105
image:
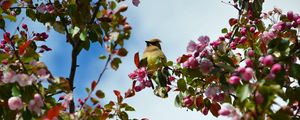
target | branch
x=95, y=11
x=98, y=80
x=72, y=74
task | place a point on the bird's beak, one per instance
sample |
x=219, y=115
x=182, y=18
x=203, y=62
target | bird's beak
x=147, y=42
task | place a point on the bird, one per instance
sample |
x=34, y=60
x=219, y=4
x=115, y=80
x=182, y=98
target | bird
x=154, y=59
x=154, y=55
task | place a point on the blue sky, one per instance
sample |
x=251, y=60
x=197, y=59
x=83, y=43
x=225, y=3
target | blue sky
x=175, y=22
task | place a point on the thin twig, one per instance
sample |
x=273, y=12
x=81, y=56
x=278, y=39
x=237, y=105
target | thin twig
x=98, y=80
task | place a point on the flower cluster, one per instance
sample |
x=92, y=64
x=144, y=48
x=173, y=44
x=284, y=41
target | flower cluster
x=197, y=57
x=140, y=75
x=49, y=8
x=36, y=104
x=21, y=79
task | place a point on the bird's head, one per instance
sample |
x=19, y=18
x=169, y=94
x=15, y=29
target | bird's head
x=153, y=42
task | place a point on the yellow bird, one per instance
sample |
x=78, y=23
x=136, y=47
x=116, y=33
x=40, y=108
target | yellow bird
x=154, y=55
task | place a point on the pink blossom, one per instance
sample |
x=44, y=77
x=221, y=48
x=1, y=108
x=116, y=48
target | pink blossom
x=15, y=103
x=205, y=110
x=138, y=88
x=36, y=104
x=211, y=91
x=141, y=72
x=259, y=98
x=234, y=80
x=204, y=40
x=251, y=53
x=136, y=2
x=215, y=44
x=276, y=68
x=271, y=76
x=243, y=31
x=8, y=77
x=132, y=75
x=191, y=63
x=23, y=79
x=247, y=75
x=188, y=101
x=171, y=78
x=192, y=46
x=205, y=66
x=50, y=8
x=41, y=8
x=243, y=40
x=268, y=60
x=224, y=112
x=252, y=29
x=267, y=36
x=248, y=62
x=290, y=15
x=241, y=69
x=147, y=83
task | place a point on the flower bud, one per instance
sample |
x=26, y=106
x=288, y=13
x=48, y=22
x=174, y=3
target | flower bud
x=234, y=80
x=276, y=68
x=268, y=60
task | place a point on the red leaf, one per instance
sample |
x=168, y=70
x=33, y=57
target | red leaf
x=6, y=4
x=6, y=36
x=52, y=113
x=199, y=102
x=23, y=47
x=117, y=93
x=263, y=48
x=232, y=21
x=93, y=85
x=137, y=59
x=119, y=97
x=214, y=109
x=129, y=93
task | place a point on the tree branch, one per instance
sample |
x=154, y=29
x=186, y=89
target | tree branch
x=72, y=74
x=98, y=80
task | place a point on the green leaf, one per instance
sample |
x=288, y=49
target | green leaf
x=102, y=57
x=115, y=63
x=224, y=30
x=74, y=31
x=2, y=24
x=181, y=84
x=129, y=108
x=100, y=94
x=11, y=18
x=178, y=100
x=123, y=115
x=94, y=100
x=58, y=26
x=83, y=35
x=31, y=14
x=243, y=92
x=87, y=90
x=294, y=71
x=15, y=91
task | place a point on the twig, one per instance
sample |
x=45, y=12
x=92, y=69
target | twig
x=98, y=80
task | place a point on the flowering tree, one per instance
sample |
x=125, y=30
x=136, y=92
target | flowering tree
x=246, y=69
x=239, y=75
x=28, y=87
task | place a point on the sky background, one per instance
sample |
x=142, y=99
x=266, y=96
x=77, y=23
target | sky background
x=175, y=22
